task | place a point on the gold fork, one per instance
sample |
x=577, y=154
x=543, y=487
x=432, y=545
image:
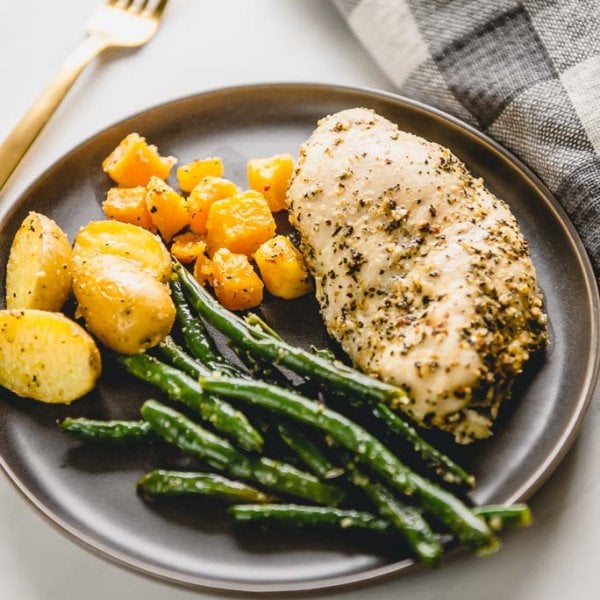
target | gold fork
x=116, y=24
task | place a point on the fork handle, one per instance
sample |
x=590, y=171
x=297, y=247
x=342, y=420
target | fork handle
x=18, y=141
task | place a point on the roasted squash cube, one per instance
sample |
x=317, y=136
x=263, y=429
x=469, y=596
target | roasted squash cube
x=236, y=284
x=270, y=177
x=128, y=205
x=187, y=247
x=282, y=268
x=240, y=223
x=203, y=269
x=203, y=195
x=190, y=175
x=167, y=208
x=133, y=162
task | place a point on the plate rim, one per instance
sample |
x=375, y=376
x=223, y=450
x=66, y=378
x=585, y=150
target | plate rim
x=374, y=574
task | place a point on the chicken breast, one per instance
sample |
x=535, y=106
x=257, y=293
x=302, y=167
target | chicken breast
x=422, y=274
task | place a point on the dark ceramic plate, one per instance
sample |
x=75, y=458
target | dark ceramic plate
x=89, y=493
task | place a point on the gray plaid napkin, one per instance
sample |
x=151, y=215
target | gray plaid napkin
x=525, y=72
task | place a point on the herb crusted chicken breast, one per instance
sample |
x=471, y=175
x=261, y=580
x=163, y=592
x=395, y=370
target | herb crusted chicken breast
x=422, y=274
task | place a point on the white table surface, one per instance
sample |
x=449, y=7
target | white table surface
x=202, y=45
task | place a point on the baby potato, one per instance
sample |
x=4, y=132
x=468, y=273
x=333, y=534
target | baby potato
x=38, y=272
x=46, y=356
x=125, y=240
x=124, y=306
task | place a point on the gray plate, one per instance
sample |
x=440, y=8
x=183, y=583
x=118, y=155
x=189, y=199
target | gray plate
x=89, y=493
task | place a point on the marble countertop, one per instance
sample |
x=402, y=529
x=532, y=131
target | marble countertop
x=203, y=45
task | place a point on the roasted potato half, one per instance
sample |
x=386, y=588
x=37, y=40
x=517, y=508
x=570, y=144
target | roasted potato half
x=46, y=356
x=126, y=241
x=38, y=273
x=124, y=306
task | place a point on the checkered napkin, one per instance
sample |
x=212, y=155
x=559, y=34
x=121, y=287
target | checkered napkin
x=525, y=72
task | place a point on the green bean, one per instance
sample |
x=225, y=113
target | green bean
x=295, y=515
x=180, y=359
x=109, y=432
x=445, y=467
x=179, y=483
x=308, y=452
x=179, y=386
x=470, y=529
x=257, y=322
x=441, y=464
x=340, y=378
x=498, y=516
x=271, y=474
x=300, y=516
x=408, y=520
x=196, y=336
x=266, y=345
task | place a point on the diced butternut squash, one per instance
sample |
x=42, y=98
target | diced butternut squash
x=203, y=269
x=128, y=205
x=236, y=284
x=270, y=177
x=203, y=195
x=133, y=162
x=282, y=268
x=167, y=208
x=190, y=175
x=240, y=223
x=187, y=247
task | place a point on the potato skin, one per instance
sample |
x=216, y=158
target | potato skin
x=125, y=240
x=124, y=306
x=38, y=272
x=46, y=356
